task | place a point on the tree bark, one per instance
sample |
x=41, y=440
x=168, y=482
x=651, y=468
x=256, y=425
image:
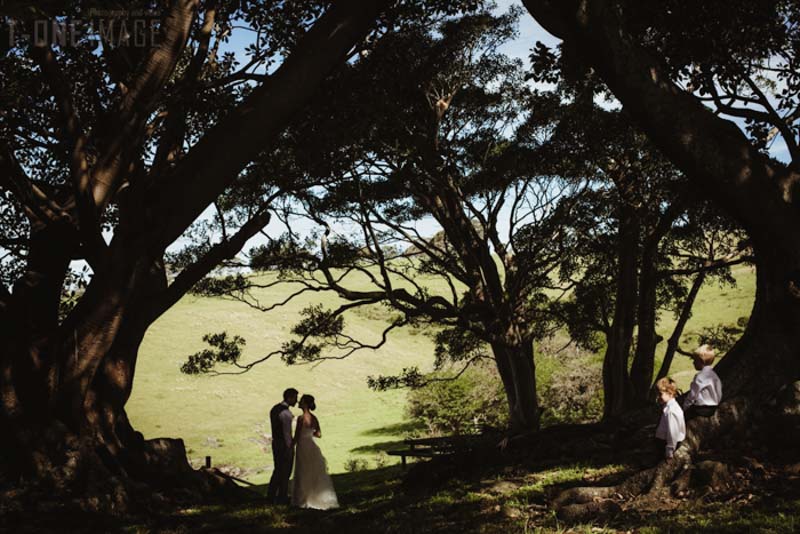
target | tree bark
x=677, y=332
x=768, y=354
x=616, y=381
x=647, y=338
x=517, y=370
x=27, y=377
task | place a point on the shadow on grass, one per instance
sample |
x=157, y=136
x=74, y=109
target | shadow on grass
x=372, y=501
x=406, y=428
x=358, y=492
x=501, y=501
x=399, y=429
x=772, y=516
x=383, y=446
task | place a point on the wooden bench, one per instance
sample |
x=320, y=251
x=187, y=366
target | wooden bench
x=430, y=447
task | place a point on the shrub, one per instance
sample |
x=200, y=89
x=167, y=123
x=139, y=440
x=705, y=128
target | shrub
x=572, y=392
x=381, y=460
x=351, y=465
x=463, y=405
x=723, y=336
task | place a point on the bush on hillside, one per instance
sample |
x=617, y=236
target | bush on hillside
x=723, y=336
x=570, y=382
x=353, y=465
x=574, y=393
x=570, y=391
x=463, y=405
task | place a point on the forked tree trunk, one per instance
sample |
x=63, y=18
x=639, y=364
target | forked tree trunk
x=517, y=370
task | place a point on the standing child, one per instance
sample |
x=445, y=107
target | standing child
x=671, y=428
x=705, y=392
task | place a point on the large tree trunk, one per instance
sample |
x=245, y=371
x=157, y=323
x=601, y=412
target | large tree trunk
x=112, y=385
x=768, y=354
x=81, y=443
x=517, y=370
x=616, y=382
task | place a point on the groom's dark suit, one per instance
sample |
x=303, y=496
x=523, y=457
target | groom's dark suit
x=282, y=455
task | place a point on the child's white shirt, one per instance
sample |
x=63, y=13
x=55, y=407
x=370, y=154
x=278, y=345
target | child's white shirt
x=671, y=427
x=706, y=389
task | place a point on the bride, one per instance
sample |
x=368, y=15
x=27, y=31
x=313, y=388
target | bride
x=312, y=487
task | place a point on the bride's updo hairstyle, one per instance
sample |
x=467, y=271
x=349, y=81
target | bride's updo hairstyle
x=308, y=401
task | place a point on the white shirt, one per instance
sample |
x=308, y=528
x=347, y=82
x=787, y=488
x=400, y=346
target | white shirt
x=671, y=428
x=286, y=421
x=706, y=389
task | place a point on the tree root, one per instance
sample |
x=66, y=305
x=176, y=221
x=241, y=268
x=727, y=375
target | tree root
x=656, y=483
x=577, y=513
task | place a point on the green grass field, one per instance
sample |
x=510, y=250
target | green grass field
x=222, y=416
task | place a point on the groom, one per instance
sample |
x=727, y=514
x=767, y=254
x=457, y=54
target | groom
x=280, y=418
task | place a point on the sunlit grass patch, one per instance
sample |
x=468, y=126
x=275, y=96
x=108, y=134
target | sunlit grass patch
x=537, y=484
x=730, y=518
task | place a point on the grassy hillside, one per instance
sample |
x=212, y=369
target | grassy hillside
x=220, y=416
x=714, y=305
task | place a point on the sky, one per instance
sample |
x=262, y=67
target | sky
x=529, y=32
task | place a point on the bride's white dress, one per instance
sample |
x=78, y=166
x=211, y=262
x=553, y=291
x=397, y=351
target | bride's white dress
x=312, y=487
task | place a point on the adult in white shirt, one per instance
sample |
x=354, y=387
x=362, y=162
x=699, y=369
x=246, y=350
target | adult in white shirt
x=671, y=427
x=705, y=393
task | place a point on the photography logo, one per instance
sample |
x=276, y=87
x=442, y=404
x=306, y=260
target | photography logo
x=22, y=23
